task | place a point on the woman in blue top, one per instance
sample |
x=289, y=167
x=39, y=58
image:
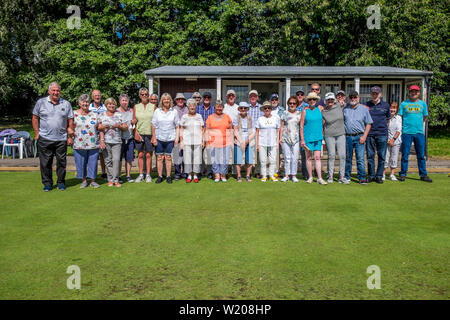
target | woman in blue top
x=311, y=128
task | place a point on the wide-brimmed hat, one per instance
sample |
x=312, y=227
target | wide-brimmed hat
x=265, y=105
x=180, y=96
x=312, y=96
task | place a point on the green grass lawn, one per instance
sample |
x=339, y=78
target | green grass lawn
x=224, y=241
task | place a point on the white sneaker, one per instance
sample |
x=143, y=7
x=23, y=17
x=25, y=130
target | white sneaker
x=216, y=180
x=343, y=181
x=224, y=180
x=321, y=181
x=285, y=179
x=294, y=179
x=384, y=177
x=148, y=179
x=140, y=178
x=274, y=179
x=393, y=177
x=330, y=180
x=310, y=180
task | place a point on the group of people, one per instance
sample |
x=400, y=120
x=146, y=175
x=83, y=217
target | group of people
x=205, y=140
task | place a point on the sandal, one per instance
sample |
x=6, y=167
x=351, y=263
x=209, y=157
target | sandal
x=239, y=179
x=248, y=179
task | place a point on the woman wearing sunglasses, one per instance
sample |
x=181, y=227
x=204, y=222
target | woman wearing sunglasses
x=311, y=127
x=290, y=128
x=142, y=116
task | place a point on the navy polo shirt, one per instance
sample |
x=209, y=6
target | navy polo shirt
x=380, y=114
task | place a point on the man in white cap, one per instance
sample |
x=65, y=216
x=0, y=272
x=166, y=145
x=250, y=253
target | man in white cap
x=255, y=113
x=231, y=108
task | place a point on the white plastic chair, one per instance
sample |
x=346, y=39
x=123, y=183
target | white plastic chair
x=14, y=143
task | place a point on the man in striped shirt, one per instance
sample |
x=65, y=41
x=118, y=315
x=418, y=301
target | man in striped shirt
x=255, y=113
x=205, y=109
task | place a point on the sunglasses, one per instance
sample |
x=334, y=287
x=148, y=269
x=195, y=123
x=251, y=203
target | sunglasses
x=206, y=97
x=292, y=103
x=267, y=108
x=300, y=94
x=353, y=97
x=144, y=94
x=315, y=89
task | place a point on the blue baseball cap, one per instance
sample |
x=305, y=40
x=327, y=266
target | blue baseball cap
x=274, y=95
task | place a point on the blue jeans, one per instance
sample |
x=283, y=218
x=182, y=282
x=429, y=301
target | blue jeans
x=86, y=163
x=376, y=144
x=419, y=145
x=352, y=142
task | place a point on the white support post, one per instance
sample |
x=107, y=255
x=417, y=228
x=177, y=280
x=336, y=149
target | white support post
x=357, y=80
x=150, y=85
x=288, y=91
x=424, y=89
x=425, y=124
x=219, y=88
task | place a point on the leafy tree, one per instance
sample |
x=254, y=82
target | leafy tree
x=118, y=40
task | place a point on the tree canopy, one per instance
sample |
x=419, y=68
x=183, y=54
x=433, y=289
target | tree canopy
x=118, y=40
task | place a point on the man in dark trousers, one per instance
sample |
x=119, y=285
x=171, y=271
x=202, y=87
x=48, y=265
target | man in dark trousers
x=52, y=118
x=378, y=135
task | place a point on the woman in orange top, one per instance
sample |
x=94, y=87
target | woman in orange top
x=220, y=136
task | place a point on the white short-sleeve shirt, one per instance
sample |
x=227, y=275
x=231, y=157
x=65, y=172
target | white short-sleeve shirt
x=268, y=130
x=165, y=124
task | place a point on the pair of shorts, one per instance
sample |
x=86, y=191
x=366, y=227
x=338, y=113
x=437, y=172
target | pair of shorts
x=239, y=155
x=127, y=151
x=314, y=145
x=164, y=147
x=145, y=145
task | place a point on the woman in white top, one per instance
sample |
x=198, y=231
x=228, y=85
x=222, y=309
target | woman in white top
x=267, y=140
x=165, y=134
x=191, y=140
x=394, y=141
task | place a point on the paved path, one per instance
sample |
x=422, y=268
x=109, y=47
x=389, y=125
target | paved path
x=434, y=165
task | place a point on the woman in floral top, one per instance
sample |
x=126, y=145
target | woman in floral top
x=85, y=142
x=111, y=127
x=290, y=140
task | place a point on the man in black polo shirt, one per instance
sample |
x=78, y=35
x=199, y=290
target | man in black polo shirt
x=378, y=135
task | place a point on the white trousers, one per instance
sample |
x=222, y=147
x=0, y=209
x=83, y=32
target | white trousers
x=268, y=155
x=192, y=156
x=291, y=153
x=392, y=156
